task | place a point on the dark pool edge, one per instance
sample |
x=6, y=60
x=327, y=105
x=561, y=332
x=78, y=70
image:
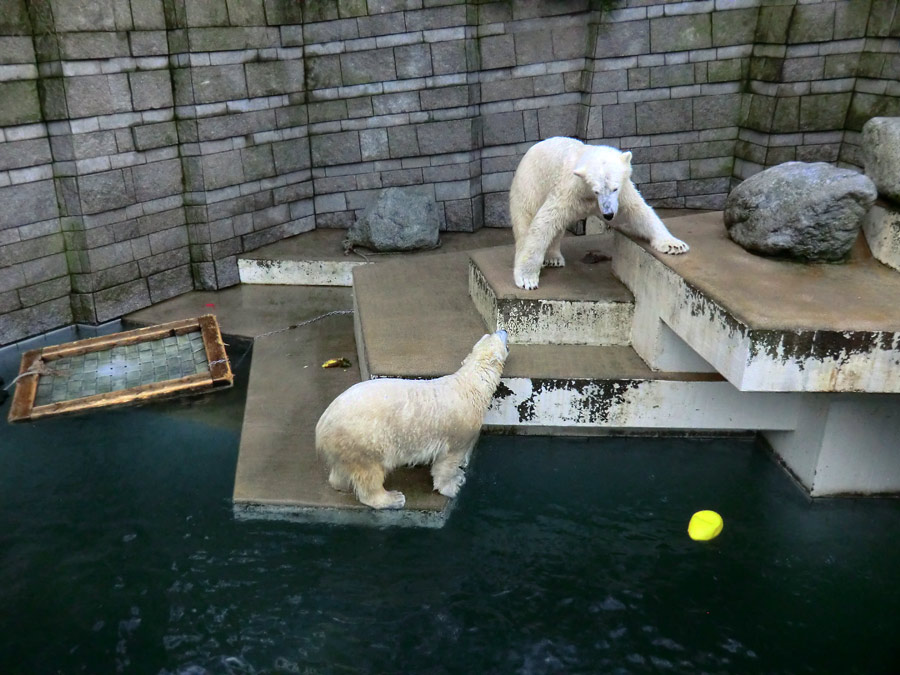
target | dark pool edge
x=247, y=511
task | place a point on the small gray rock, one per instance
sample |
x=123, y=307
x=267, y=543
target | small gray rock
x=881, y=155
x=810, y=212
x=399, y=220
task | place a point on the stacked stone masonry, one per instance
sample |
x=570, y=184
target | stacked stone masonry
x=145, y=144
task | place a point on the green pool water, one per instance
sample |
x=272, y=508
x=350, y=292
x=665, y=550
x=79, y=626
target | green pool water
x=119, y=553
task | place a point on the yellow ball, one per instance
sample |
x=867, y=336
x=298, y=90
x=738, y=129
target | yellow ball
x=705, y=525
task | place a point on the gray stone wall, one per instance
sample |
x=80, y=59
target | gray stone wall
x=144, y=144
x=817, y=73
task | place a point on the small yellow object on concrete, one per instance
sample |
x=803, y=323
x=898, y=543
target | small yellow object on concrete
x=337, y=363
x=705, y=525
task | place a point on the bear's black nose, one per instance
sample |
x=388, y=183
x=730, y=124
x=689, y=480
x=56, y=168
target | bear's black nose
x=609, y=216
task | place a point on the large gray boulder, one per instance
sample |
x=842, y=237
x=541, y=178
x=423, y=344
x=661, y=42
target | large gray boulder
x=881, y=155
x=399, y=220
x=809, y=212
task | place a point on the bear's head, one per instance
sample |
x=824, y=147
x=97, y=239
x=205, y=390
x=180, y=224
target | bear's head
x=490, y=351
x=604, y=170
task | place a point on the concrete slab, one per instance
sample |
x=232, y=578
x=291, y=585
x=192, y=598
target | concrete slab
x=770, y=294
x=766, y=325
x=581, y=303
x=278, y=475
x=317, y=258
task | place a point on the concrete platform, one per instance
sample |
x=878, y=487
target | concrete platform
x=278, y=475
x=580, y=304
x=317, y=258
x=765, y=324
x=694, y=316
x=426, y=328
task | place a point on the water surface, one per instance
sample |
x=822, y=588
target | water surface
x=118, y=553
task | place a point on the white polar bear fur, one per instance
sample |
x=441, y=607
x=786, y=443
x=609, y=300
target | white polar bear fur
x=561, y=181
x=381, y=424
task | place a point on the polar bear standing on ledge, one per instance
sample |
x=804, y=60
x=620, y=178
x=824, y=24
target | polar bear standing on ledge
x=378, y=425
x=560, y=181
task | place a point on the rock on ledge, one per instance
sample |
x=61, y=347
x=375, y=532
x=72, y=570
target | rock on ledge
x=399, y=220
x=810, y=212
x=881, y=155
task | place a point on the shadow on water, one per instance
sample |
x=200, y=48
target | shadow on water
x=118, y=553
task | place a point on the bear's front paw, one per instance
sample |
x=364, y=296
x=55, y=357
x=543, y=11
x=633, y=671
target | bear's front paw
x=555, y=261
x=449, y=487
x=527, y=281
x=669, y=245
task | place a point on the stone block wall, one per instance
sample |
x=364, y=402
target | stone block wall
x=35, y=284
x=817, y=73
x=144, y=144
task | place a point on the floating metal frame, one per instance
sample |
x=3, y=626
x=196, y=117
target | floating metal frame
x=34, y=366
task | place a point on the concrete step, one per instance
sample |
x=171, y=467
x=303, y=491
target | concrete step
x=317, y=258
x=763, y=323
x=414, y=319
x=579, y=304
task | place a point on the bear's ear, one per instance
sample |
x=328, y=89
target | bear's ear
x=581, y=172
x=626, y=158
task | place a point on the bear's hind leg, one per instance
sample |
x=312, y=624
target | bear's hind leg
x=338, y=479
x=368, y=484
x=554, y=257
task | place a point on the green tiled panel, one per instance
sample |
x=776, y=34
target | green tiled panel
x=122, y=367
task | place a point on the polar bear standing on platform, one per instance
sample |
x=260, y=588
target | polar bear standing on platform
x=378, y=425
x=560, y=181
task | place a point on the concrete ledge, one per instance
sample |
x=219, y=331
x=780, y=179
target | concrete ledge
x=317, y=258
x=694, y=404
x=764, y=324
x=881, y=227
x=579, y=304
x=297, y=272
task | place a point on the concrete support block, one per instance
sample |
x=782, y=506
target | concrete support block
x=881, y=227
x=635, y=404
x=843, y=445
